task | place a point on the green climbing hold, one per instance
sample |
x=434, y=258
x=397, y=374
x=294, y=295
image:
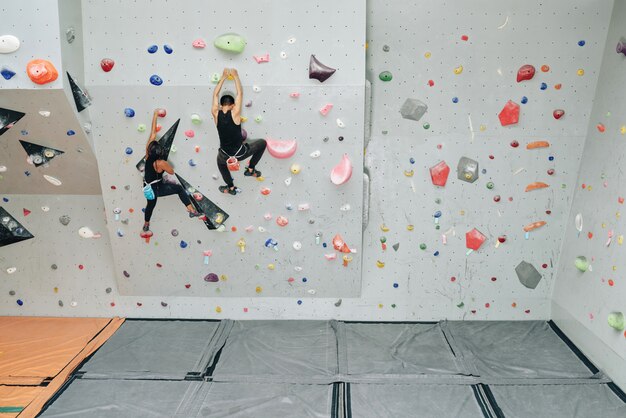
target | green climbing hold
x=196, y=119
x=422, y=246
x=490, y=185
x=230, y=42
x=383, y=240
x=426, y=125
x=215, y=78
x=385, y=76
x=616, y=321
x=581, y=263
x=460, y=305
x=141, y=127
x=438, y=200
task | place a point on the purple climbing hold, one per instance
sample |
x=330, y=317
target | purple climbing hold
x=164, y=304
x=621, y=47
x=152, y=49
x=156, y=80
x=126, y=274
x=319, y=71
x=212, y=278
x=7, y=74
x=244, y=134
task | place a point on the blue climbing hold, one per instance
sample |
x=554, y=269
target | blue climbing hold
x=129, y=150
x=183, y=244
x=168, y=49
x=71, y=132
x=412, y=160
x=7, y=74
x=24, y=132
x=192, y=163
x=324, y=245
x=524, y=100
x=152, y=49
x=299, y=302
x=455, y=100
x=551, y=158
x=437, y=214
x=304, y=280
x=20, y=302
x=395, y=285
x=581, y=43
x=27, y=173
x=436, y=254
x=156, y=80
x=129, y=112
x=544, y=86
x=5, y=199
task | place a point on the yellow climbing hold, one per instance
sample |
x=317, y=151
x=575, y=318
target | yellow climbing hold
x=223, y=277
x=614, y=268
x=260, y=178
x=380, y=306
x=244, y=119
x=458, y=70
x=410, y=227
x=380, y=264
x=271, y=266
x=384, y=228
x=258, y=289
x=620, y=239
x=218, y=309
x=409, y=173
x=580, y=71
x=56, y=290
x=622, y=130
x=427, y=54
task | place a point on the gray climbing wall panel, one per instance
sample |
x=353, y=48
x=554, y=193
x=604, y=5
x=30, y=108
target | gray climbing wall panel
x=268, y=28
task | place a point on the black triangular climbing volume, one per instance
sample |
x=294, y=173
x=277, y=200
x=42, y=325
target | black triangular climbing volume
x=11, y=231
x=214, y=215
x=166, y=142
x=81, y=99
x=39, y=154
x=8, y=118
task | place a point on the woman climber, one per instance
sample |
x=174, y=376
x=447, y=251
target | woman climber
x=153, y=175
x=232, y=147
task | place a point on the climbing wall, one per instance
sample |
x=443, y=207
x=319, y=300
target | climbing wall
x=590, y=291
x=254, y=255
x=461, y=60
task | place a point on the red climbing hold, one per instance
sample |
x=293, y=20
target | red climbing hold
x=439, y=174
x=558, y=113
x=26, y=212
x=107, y=64
x=474, y=239
x=526, y=72
x=509, y=114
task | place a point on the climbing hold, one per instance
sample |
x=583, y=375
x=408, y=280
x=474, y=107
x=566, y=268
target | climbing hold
x=294, y=95
x=616, y=321
x=340, y=245
x=41, y=71
x=534, y=225
x=525, y=72
x=342, y=172
x=580, y=72
x=509, y=114
x=319, y=71
x=538, y=144
x=528, y=275
x=297, y=245
x=340, y=124
x=474, y=239
x=536, y=185
x=467, y=170
x=282, y=221
x=64, y=219
x=621, y=46
x=261, y=58
x=600, y=127
x=197, y=120
x=215, y=78
x=153, y=48
x=211, y=278
x=581, y=263
x=192, y=163
x=458, y=70
x=129, y=112
x=258, y=119
x=156, y=80
x=524, y=100
x=71, y=133
x=295, y=168
x=315, y=154
x=230, y=42
x=490, y=185
x=439, y=173
x=141, y=127
x=190, y=133
x=9, y=44
x=7, y=74
x=380, y=264
x=107, y=64
x=199, y=43
x=168, y=49
x=558, y=113
x=183, y=244
x=11, y=270
x=326, y=108
x=281, y=149
x=385, y=76
x=265, y=191
x=413, y=109
x=455, y=100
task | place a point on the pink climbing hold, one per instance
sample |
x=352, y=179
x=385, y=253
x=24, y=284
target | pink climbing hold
x=294, y=95
x=107, y=64
x=474, y=239
x=324, y=110
x=281, y=149
x=439, y=174
x=526, y=72
x=199, y=43
x=26, y=212
x=190, y=133
x=282, y=221
x=342, y=172
x=509, y=114
x=262, y=58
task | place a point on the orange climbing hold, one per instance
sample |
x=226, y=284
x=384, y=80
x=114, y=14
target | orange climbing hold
x=534, y=225
x=538, y=144
x=340, y=245
x=536, y=185
x=41, y=71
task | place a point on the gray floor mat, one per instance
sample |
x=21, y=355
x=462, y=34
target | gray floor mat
x=396, y=349
x=145, y=349
x=414, y=401
x=120, y=399
x=279, y=348
x=558, y=401
x=260, y=400
x=524, y=349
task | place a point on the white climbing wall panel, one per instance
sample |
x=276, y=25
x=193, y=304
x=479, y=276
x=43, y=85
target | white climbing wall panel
x=174, y=265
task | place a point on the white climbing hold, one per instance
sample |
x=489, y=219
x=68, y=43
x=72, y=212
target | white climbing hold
x=340, y=123
x=45, y=208
x=261, y=229
x=214, y=176
x=303, y=207
x=3, y=168
x=45, y=113
x=53, y=180
x=9, y=44
x=86, y=232
x=288, y=181
x=311, y=291
x=297, y=268
x=283, y=54
x=11, y=270
x=73, y=304
x=256, y=89
x=297, y=245
x=315, y=154
x=291, y=40
x=345, y=208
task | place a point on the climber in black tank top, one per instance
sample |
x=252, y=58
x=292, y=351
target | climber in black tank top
x=232, y=146
x=153, y=175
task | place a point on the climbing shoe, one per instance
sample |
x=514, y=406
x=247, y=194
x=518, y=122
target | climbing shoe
x=253, y=173
x=226, y=189
x=146, y=228
x=195, y=214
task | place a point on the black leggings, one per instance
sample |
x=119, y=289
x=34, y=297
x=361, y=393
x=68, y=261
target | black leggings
x=165, y=189
x=254, y=148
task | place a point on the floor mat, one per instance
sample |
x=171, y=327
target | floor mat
x=13, y=399
x=154, y=349
x=510, y=349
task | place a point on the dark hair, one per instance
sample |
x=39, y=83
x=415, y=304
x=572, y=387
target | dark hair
x=155, y=150
x=226, y=100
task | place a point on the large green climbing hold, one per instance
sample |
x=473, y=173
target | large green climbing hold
x=616, y=320
x=230, y=42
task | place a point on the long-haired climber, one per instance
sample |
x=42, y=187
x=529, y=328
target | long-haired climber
x=153, y=178
x=232, y=147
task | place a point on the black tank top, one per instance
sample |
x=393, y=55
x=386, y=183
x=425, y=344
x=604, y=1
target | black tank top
x=229, y=133
x=149, y=173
